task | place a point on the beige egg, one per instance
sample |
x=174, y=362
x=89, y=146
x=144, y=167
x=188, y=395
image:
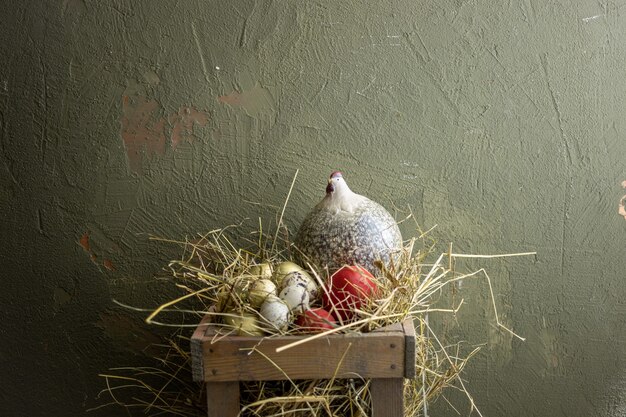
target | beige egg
x=233, y=292
x=245, y=324
x=276, y=313
x=259, y=290
x=263, y=270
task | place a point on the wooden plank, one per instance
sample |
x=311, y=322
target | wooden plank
x=197, y=338
x=385, y=353
x=387, y=397
x=409, y=349
x=379, y=354
x=222, y=399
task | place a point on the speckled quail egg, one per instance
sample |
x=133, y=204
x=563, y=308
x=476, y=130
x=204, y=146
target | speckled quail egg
x=302, y=278
x=296, y=297
x=283, y=269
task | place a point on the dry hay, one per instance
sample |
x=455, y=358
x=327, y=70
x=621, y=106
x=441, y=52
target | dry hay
x=216, y=268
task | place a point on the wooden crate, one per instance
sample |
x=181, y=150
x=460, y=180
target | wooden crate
x=386, y=356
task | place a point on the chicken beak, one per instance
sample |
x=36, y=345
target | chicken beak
x=330, y=187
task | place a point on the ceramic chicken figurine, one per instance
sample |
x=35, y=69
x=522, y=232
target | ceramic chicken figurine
x=346, y=228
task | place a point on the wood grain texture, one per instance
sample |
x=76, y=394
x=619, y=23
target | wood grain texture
x=379, y=354
x=222, y=399
x=385, y=356
x=409, y=349
x=197, y=338
x=387, y=397
x=244, y=358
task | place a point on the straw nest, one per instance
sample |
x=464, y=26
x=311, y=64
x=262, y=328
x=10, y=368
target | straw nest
x=215, y=272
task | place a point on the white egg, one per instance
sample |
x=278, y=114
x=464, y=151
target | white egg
x=276, y=312
x=296, y=297
x=259, y=290
x=302, y=278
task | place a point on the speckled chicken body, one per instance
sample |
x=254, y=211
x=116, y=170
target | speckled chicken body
x=346, y=228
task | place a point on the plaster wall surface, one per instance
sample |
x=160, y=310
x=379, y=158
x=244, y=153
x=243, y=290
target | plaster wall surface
x=500, y=122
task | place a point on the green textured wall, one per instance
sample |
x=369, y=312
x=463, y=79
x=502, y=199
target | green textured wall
x=501, y=122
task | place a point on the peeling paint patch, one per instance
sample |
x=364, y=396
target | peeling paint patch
x=144, y=128
x=622, y=204
x=85, y=243
x=256, y=102
x=183, y=122
x=108, y=264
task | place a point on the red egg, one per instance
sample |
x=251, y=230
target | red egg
x=316, y=320
x=348, y=289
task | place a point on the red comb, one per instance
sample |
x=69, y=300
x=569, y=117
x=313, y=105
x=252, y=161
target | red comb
x=335, y=174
